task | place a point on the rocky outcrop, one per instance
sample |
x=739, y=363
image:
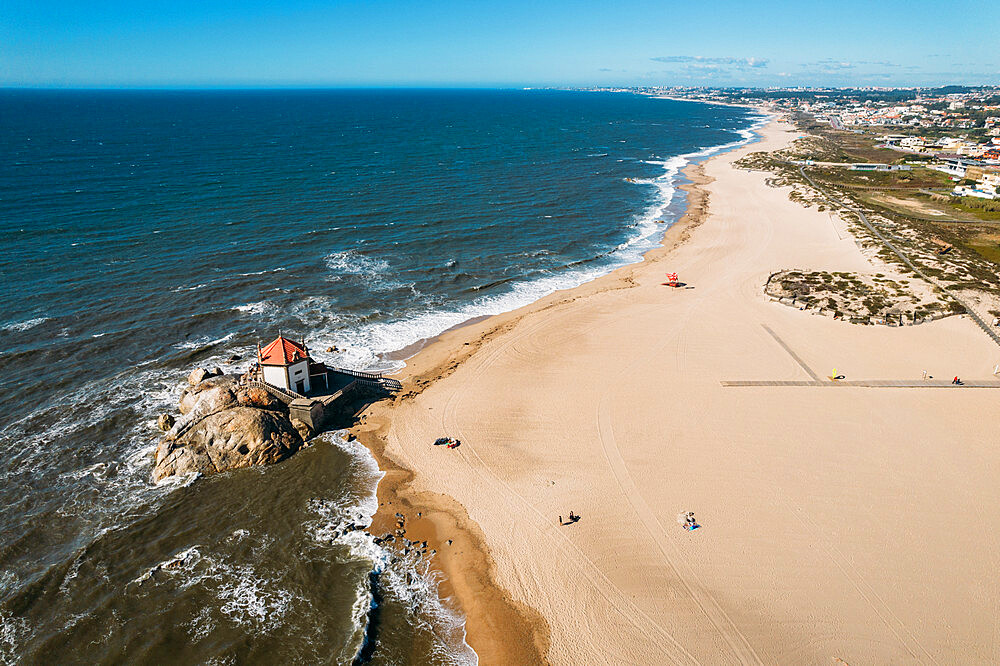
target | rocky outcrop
x=252, y=396
x=197, y=376
x=211, y=394
x=224, y=425
x=229, y=439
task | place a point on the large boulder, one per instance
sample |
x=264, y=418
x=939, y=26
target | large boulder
x=228, y=439
x=198, y=375
x=214, y=392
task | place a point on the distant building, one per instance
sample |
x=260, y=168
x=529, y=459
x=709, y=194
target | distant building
x=880, y=167
x=953, y=165
x=968, y=191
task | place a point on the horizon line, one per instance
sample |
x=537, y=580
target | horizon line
x=439, y=86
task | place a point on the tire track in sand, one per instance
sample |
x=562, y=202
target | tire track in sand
x=707, y=603
x=615, y=597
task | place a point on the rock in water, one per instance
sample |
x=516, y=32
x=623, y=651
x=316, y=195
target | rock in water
x=197, y=376
x=165, y=422
x=229, y=439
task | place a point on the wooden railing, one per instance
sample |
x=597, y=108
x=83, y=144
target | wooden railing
x=371, y=378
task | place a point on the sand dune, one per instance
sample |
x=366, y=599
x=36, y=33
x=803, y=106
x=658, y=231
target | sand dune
x=838, y=522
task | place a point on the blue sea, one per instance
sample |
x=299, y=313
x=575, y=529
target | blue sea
x=149, y=232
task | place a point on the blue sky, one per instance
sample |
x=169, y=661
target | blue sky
x=208, y=43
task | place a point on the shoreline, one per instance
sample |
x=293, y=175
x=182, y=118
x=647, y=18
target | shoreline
x=612, y=399
x=683, y=182
x=498, y=628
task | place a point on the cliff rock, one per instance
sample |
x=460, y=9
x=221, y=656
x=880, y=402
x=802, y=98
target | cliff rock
x=228, y=439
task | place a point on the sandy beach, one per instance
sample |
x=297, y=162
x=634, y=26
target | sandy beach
x=838, y=522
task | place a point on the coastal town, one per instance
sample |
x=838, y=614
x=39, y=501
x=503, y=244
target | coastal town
x=954, y=130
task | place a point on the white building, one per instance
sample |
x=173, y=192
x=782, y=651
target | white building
x=966, y=191
x=285, y=364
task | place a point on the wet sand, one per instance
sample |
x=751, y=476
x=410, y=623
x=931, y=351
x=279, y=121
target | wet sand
x=823, y=511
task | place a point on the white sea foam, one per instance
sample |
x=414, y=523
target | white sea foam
x=201, y=625
x=254, y=601
x=22, y=326
x=365, y=346
x=374, y=272
x=115, y=482
x=273, y=270
x=246, y=597
x=203, y=341
x=258, y=308
x=352, y=262
x=406, y=577
x=191, y=288
x=13, y=631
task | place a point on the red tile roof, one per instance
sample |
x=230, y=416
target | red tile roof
x=283, y=352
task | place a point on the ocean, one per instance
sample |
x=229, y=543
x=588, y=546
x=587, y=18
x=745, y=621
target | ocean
x=146, y=233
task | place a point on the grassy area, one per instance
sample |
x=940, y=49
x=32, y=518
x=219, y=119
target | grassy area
x=988, y=248
x=890, y=180
x=899, y=205
x=984, y=209
x=830, y=145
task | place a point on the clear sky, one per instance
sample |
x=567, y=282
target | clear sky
x=208, y=43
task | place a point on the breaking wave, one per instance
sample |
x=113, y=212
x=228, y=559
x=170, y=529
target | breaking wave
x=22, y=326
